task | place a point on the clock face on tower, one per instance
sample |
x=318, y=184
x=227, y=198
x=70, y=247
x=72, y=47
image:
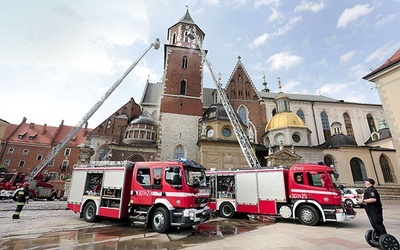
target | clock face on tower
x=226, y=132
x=280, y=139
x=210, y=133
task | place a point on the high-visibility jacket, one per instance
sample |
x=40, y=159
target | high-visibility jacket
x=22, y=196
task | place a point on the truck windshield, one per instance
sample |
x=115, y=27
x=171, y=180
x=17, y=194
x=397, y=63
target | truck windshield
x=6, y=177
x=195, y=177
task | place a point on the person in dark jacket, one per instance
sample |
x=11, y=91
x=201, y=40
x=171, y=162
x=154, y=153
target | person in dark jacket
x=373, y=207
x=22, y=199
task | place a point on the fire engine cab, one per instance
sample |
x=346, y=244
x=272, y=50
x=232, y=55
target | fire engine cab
x=159, y=195
x=307, y=192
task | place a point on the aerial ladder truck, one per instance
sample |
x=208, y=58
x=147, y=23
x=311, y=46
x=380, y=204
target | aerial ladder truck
x=45, y=190
x=244, y=142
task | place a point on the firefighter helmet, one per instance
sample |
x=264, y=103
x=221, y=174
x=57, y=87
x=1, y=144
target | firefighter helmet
x=26, y=184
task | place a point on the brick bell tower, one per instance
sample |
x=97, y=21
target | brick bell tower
x=181, y=103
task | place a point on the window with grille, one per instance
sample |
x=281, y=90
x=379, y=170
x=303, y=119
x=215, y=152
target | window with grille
x=386, y=171
x=325, y=125
x=347, y=124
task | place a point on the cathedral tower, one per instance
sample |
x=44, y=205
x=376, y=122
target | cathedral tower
x=181, y=103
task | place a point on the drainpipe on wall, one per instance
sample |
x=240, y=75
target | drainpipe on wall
x=373, y=165
x=315, y=122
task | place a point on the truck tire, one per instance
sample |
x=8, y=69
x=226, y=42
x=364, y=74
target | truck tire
x=52, y=197
x=308, y=215
x=89, y=212
x=160, y=221
x=226, y=210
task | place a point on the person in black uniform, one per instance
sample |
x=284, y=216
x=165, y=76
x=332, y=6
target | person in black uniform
x=21, y=199
x=373, y=207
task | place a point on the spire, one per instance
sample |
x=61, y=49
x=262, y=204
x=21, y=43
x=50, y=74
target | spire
x=266, y=89
x=187, y=18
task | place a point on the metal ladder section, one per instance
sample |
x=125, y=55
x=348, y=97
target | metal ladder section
x=78, y=126
x=237, y=128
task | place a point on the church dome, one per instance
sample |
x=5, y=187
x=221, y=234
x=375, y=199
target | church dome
x=144, y=119
x=142, y=130
x=285, y=120
x=338, y=140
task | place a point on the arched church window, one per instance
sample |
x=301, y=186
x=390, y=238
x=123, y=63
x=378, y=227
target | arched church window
x=347, y=124
x=325, y=125
x=242, y=112
x=174, y=38
x=300, y=114
x=328, y=160
x=179, y=152
x=386, y=171
x=273, y=112
x=357, y=170
x=186, y=37
x=183, y=88
x=371, y=123
x=184, y=62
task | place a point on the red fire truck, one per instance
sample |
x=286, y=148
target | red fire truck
x=38, y=188
x=159, y=195
x=307, y=192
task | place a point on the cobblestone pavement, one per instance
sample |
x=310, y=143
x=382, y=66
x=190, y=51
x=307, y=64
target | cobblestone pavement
x=47, y=225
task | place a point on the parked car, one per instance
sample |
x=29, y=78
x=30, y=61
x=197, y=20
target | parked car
x=352, y=196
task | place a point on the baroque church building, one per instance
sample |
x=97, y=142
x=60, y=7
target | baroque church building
x=179, y=118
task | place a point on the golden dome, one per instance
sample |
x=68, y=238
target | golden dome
x=285, y=120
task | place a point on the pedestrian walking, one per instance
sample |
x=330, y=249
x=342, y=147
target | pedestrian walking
x=22, y=197
x=373, y=208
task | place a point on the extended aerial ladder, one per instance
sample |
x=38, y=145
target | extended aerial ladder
x=237, y=127
x=78, y=126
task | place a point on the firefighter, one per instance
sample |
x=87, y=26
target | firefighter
x=21, y=199
x=373, y=207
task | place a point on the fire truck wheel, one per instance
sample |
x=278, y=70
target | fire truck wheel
x=160, y=221
x=388, y=241
x=52, y=197
x=89, y=212
x=308, y=215
x=226, y=210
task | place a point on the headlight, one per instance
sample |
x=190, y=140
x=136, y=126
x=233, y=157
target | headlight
x=192, y=215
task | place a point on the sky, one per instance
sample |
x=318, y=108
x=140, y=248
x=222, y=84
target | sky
x=58, y=58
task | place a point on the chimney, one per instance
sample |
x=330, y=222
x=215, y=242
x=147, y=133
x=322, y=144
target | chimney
x=44, y=128
x=31, y=125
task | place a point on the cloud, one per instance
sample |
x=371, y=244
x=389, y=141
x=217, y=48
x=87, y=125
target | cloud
x=358, y=71
x=290, y=86
x=259, y=40
x=332, y=89
x=352, y=14
x=236, y=3
x=212, y=2
x=283, y=60
x=346, y=57
x=387, y=19
x=305, y=5
x=274, y=15
x=258, y=3
x=290, y=24
x=383, y=53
